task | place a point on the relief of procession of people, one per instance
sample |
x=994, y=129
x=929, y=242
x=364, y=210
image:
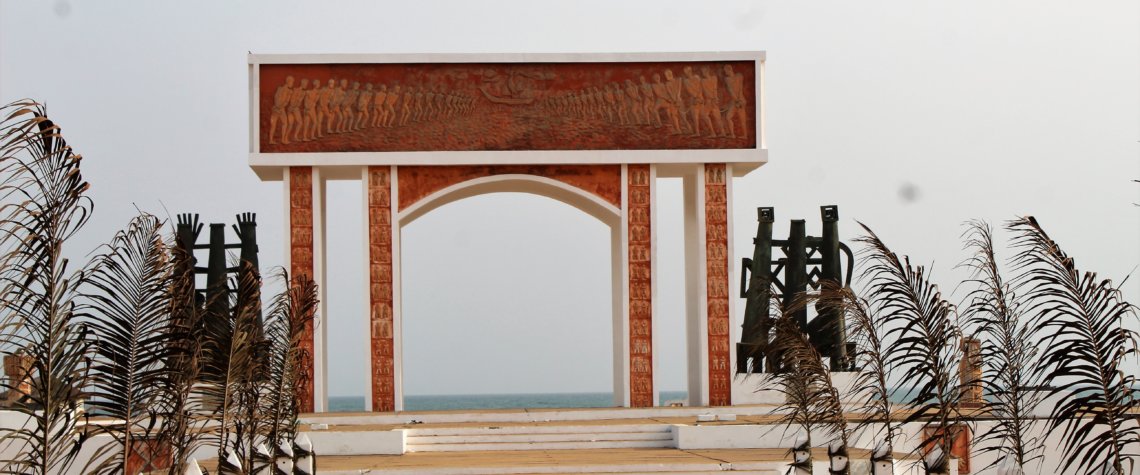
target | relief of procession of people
x=302, y=113
x=692, y=104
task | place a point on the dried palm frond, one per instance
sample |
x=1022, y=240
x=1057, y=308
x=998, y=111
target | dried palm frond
x=42, y=204
x=231, y=350
x=185, y=414
x=870, y=384
x=1086, y=347
x=130, y=316
x=1011, y=388
x=925, y=347
x=291, y=310
x=811, y=399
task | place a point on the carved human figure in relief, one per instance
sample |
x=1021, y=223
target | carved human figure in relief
x=296, y=99
x=324, y=112
x=633, y=100
x=378, y=112
x=338, y=105
x=326, y=108
x=647, y=103
x=363, y=107
x=406, y=105
x=696, y=103
x=674, y=87
x=278, y=114
x=664, y=102
x=309, y=123
x=608, y=103
x=419, y=105
x=439, y=108
x=349, y=106
x=390, y=105
x=734, y=83
x=710, y=85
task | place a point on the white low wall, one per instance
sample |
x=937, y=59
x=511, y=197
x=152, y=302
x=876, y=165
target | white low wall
x=380, y=442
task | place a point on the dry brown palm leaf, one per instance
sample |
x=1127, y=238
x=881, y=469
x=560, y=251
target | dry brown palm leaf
x=923, y=347
x=1087, y=345
x=42, y=204
x=1011, y=384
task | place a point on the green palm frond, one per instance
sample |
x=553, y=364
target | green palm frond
x=1086, y=347
x=42, y=204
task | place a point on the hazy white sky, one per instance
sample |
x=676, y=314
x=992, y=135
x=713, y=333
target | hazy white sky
x=912, y=116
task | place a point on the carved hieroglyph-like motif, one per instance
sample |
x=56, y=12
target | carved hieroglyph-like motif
x=716, y=261
x=495, y=106
x=640, y=287
x=380, y=287
x=301, y=261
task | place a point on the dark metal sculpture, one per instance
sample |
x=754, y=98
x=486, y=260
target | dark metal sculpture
x=216, y=271
x=808, y=262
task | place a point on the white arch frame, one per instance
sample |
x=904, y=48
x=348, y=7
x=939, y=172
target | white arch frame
x=591, y=204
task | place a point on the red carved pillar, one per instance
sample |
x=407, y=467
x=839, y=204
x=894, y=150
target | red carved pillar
x=639, y=239
x=716, y=267
x=301, y=263
x=380, y=288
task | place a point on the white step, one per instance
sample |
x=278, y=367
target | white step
x=616, y=444
x=540, y=429
x=559, y=437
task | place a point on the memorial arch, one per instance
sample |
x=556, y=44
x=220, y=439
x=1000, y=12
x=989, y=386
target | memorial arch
x=591, y=131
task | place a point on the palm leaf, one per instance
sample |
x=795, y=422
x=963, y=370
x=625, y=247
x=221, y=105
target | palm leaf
x=924, y=345
x=291, y=310
x=130, y=318
x=41, y=206
x=1086, y=346
x=811, y=399
x=1011, y=394
x=870, y=384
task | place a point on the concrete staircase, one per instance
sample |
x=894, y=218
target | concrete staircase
x=553, y=437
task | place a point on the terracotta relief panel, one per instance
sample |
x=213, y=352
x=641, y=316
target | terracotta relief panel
x=392, y=107
x=640, y=287
x=380, y=288
x=301, y=260
x=417, y=182
x=717, y=291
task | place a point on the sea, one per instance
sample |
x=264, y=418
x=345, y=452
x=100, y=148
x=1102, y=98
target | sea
x=497, y=401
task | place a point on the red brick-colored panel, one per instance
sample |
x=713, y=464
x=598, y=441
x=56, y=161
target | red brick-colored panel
x=523, y=106
x=640, y=287
x=717, y=291
x=380, y=288
x=961, y=441
x=301, y=262
x=417, y=182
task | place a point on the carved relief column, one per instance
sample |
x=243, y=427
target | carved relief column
x=300, y=196
x=640, y=286
x=383, y=395
x=717, y=272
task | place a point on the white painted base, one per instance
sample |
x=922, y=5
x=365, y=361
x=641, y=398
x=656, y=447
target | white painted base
x=755, y=389
x=381, y=442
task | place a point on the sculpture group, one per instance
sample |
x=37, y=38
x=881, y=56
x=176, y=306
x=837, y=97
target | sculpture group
x=688, y=103
x=302, y=113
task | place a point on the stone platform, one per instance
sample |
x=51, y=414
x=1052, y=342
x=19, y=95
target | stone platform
x=685, y=440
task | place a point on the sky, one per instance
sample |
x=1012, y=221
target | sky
x=912, y=116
